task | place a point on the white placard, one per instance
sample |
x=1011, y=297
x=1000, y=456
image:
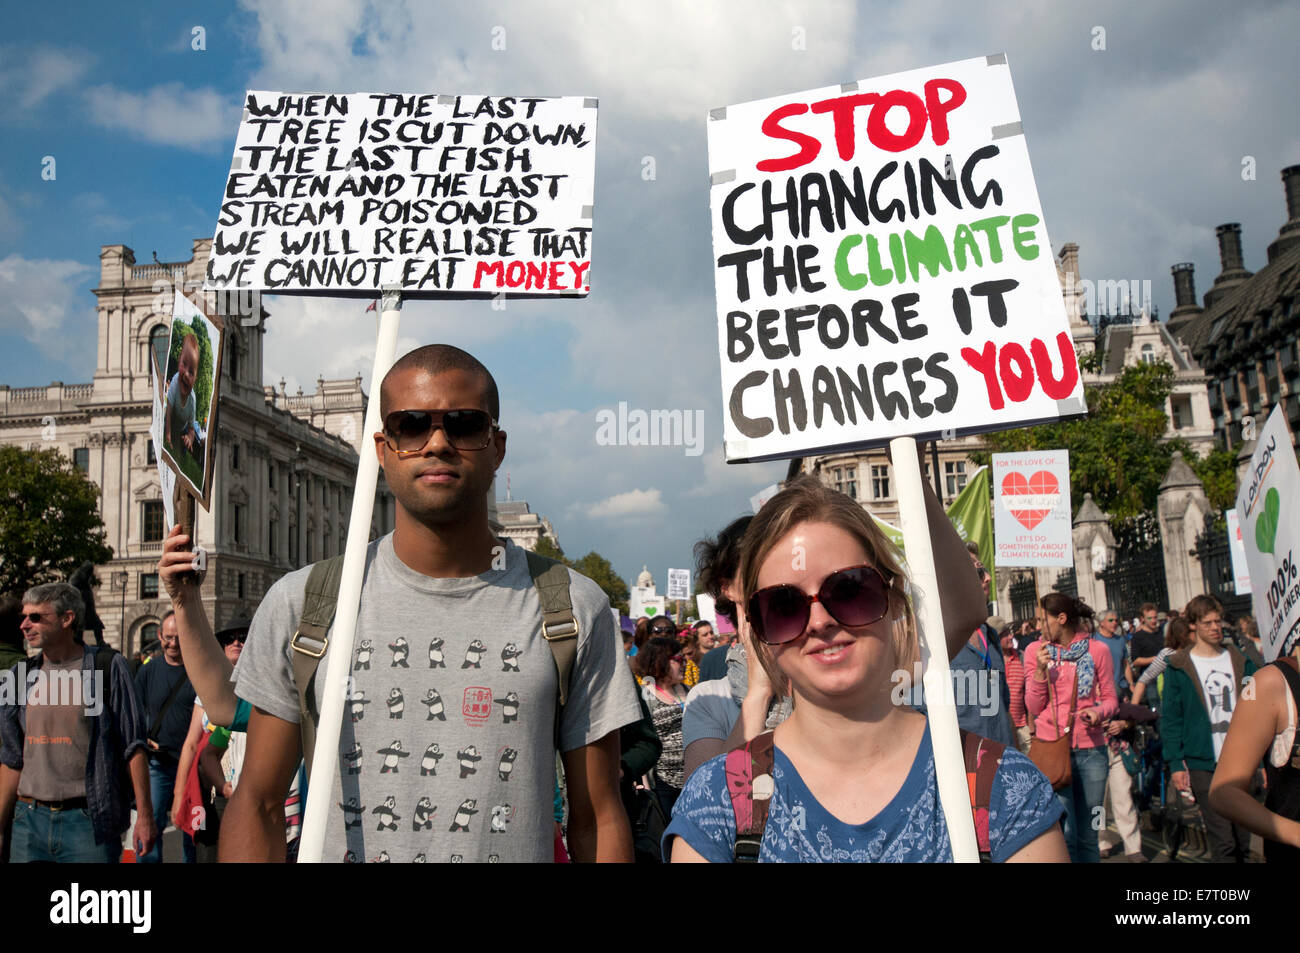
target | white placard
x=706, y=609
x=1266, y=505
x=1031, y=512
x=762, y=496
x=679, y=584
x=643, y=601
x=882, y=267
x=441, y=195
x=1237, y=548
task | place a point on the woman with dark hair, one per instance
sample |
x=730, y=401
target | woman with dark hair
x=659, y=665
x=852, y=770
x=1071, y=690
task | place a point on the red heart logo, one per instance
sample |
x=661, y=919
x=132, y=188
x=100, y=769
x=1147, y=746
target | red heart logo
x=1030, y=500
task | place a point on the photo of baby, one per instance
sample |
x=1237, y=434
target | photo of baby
x=189, y=384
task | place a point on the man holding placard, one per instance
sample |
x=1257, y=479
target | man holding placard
x=481, y=725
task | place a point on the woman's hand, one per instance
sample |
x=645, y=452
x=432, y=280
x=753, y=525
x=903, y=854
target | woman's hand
x=1044, y=657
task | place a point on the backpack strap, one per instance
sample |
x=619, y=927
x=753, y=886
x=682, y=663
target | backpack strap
x=310, y=642
x=559, y=625
x=751, y=785
x=982, y=758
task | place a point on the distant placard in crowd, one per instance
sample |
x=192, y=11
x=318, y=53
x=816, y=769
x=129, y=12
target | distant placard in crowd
x=345, y=194
x=1031, y=513
x=679, y=583
x=706, y=608
x=762, y=496
x=1267, y=507
x=1237, y=547
x=191, y=381
x=882, y=267
x=643, y=602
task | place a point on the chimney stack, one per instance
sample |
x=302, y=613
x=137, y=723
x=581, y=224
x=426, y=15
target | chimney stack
x=1185, y=306
x=1234, y=272
x=1289, y=235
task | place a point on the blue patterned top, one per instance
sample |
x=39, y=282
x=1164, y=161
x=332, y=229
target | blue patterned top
x=911, y=828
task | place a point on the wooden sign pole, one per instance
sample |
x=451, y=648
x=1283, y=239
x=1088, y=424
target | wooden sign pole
x=338, y=662
x=945, y=739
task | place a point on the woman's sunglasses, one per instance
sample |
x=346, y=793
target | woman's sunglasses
x=854, y=596
x=409, y=431
x=668, y=629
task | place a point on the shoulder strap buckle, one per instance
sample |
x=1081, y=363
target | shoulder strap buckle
x=307, y=644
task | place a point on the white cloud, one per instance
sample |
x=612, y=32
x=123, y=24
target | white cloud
x=28, y=80
x=37, y=295
x=633, y=503
x=169, y=114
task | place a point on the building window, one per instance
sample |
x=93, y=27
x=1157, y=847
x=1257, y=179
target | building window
x=954, y=472
x=148, y=585
x=234, y=455
x=293, y=545
x=152, y=521
x=270, y=475
x=148, y=633
x=238, y=512
x=307, y=481
x=880, y=481
x=239, y=585
x=270, y=539
x=234, y=360
x=845, y=479
x=309, y=557
x=150, y=454
x=158, y=344
x=1148, y=354
x=81, y=459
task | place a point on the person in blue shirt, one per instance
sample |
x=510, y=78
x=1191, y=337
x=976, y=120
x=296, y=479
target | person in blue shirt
x=854, y=777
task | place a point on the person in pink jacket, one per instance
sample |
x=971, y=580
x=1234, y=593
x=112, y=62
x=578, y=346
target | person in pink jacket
x=1067, y=662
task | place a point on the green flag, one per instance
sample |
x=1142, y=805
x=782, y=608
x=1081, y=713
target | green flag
x=893, y=532
x=972, y=516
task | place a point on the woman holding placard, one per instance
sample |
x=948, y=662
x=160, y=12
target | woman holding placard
x=852, y=775
x=1263, y=728
x=1069, y=694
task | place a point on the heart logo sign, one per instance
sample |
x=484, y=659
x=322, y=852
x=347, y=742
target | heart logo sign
x=1266, y=525
x=650, y=610
x=1030, y=499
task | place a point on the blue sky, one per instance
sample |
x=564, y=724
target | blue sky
x=1138, y=152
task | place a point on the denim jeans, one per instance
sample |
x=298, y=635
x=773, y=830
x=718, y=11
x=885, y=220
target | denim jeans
x=41, y=835
x=162, y=783
x=1082, y=801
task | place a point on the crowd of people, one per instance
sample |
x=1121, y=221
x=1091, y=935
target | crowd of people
x=491, y=716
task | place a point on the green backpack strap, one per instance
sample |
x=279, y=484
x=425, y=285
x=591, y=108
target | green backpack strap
x=310, y=642
x=559, y=625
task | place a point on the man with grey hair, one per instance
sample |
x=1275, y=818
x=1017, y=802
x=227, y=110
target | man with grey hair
x=68, y=725
x=1118, y=780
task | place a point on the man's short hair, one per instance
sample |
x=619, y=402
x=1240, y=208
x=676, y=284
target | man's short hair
x=63, y=597
x=166, y=615
x=1200, y=607
x=436, y=359
x=1108, y=614
x=973, y=548
x=1147, y=607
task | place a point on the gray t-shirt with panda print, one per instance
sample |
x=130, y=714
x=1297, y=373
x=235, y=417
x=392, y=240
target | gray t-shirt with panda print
x=447, y=748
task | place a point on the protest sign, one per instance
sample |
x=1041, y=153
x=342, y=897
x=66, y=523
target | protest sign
x=1237, y=548
x=1266, y=506
x=190, y=383
x=762, y=496
x=643, y=601
x=442, y=196
x=882, y=267
x=706, y=608
x=679, y=584
x=1032, y=517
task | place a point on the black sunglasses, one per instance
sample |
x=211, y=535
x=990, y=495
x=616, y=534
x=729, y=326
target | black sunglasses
x=408, y=431
x=661, y=629
x=35, y=616
x=855, y=596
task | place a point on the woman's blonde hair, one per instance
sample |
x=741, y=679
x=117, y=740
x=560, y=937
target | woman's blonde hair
x=807, y=500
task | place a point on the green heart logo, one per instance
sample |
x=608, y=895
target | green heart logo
x=650, y=610
x=1266, y=525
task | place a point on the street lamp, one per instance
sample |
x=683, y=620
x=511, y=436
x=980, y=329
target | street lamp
x=119, y=581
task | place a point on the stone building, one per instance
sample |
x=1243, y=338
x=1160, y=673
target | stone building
x=519, y=523
x=1245, y=332
x=284, y=464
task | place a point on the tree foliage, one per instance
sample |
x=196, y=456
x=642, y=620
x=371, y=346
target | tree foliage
x=546, y=547
x=1118, y=452
x=49, y=519
x=601, y=571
